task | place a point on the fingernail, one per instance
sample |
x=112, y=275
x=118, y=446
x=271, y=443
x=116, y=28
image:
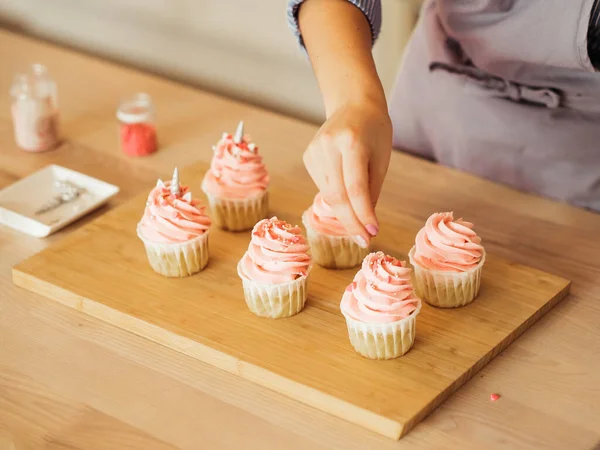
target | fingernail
x=372, y=229
x=361, y=241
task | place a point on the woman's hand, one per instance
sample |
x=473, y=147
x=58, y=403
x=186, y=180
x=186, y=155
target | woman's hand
x=348, y=159
x=349, y=156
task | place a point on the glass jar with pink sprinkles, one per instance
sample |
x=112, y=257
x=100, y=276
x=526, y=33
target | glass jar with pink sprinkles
x=35, y=110
x=137, y=125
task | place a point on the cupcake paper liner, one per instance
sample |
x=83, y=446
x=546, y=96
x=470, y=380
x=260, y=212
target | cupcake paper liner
x=383, y=340
x=179, y=259
x=334, y=252
x=447, y=289
x=275, y=301
x=238, y=214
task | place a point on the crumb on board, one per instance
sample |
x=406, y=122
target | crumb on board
x=494, y=397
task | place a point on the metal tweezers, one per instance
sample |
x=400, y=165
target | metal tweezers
x=67, y=193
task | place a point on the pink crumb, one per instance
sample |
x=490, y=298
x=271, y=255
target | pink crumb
x=494, y=397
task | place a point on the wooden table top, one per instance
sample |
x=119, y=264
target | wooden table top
x=70, y=381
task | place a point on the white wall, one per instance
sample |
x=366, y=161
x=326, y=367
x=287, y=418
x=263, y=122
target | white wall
x=240, y=48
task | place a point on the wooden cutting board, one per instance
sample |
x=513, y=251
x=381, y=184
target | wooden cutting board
x=101, y=270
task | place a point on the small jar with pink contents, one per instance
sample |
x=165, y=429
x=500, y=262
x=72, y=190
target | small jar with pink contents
x=137, y=125
x=35, y=110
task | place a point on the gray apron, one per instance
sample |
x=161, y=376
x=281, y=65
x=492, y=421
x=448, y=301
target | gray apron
x=504, y=89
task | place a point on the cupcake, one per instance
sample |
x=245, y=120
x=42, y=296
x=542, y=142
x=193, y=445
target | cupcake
x=236, y=184
x=275, y=269
x=381, y=308
x=448, y=259
x=330, y=244
x=174, y=229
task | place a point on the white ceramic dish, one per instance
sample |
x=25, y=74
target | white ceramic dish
x=20, y=201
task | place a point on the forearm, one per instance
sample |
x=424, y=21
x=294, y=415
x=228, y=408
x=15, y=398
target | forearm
x=337, y=37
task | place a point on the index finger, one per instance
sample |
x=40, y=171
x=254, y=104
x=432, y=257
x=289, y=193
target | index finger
x=336, y=195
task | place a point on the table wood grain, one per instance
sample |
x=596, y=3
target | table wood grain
x=70, y=381
x=102, y=270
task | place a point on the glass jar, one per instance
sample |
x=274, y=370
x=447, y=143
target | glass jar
x=35, y=110
x=137, y=125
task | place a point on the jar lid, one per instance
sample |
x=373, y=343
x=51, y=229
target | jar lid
x=136, y=109
x=36, y=82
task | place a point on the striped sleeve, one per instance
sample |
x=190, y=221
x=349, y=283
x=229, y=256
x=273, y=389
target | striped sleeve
x=593, y=36
x=370, y=8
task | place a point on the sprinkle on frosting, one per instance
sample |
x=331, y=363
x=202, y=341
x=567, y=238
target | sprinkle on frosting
x=237, y=170
x=321, y=218
x=448, y=245
x=381, y=291
x=278, y=253
x=171, y=218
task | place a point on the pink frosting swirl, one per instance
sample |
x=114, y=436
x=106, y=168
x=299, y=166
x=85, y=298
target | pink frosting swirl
x=381, y=291
x=447, y=245
x=236, y=170
x=321, y=218
x=170, y=218
x=278, y=253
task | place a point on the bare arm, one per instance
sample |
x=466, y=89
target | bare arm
x=337, y=38
x=349, y=156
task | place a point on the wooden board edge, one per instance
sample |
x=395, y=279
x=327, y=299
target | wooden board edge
x=312, y=397
x=484, y=360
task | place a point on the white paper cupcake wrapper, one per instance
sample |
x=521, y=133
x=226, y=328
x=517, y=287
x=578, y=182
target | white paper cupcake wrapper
x=275, y=301
x=447, y=289
x=334, y=252
x=238, y=214
x=383, y=341
x=178, y=259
